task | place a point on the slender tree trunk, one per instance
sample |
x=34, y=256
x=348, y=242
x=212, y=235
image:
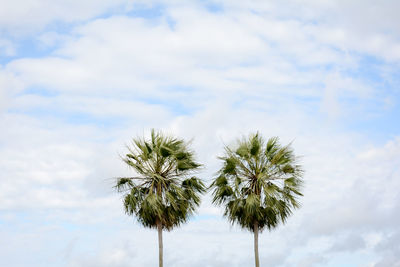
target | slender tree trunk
x=256, y=244
x=160, y=244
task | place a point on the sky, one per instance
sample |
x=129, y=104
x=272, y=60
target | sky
x=80, y=79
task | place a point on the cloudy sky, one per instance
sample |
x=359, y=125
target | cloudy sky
x=80, y=79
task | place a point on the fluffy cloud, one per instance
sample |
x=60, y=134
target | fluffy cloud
x=27, y=17
x=212, y=72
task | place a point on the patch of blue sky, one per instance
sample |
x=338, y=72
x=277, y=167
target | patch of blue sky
x=72, y=117
x=147, y=12
x=153, y=13
x=31, y=46
x=85, y=119
x=287, y=94
x=381, y=127
x=176, y=107
x=176, y=102
x=376, y=116
x=369, y=68
x=171, y=22
x=40, y=91
x=51, y=220
x=213, y=7
x=372, y=118
x=26, y=48
x=61, y=27
x=64, y=115
x=5, y=59
x=138, y=10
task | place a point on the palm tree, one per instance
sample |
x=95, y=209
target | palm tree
x=259, y=184
x=163, y=193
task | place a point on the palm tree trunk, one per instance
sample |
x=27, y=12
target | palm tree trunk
x=160, y=244
x=256, y=244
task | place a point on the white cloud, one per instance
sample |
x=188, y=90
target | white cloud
x=213, y=76
x=7, y=48
x=26, y=17
x=64, y=169
x=9, y=85
x=119, y=54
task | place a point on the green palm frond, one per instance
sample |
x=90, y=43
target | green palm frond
x=259, y=182
x=164, y=189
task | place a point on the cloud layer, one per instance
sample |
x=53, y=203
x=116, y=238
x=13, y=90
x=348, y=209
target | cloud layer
x=79, y=80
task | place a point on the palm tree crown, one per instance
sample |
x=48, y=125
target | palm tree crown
x=259, y=183
x=163, y=192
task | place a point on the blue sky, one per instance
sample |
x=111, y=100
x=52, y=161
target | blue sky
x=78, y=80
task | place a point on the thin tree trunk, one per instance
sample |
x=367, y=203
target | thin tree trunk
x=160, y=244
x=256, y=244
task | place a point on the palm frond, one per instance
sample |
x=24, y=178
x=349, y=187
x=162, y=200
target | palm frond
x=259, y=182
x=165, y=190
